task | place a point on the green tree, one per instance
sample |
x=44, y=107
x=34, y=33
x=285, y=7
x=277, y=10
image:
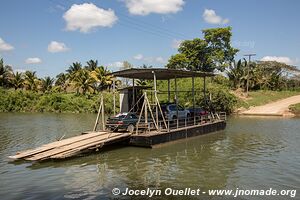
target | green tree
x=46, y=84
x=91, y=65
x=31, y=81
x=221, y=53
x=178, y=61
x=214, y=52
x=271, y=75
x=62, y=81
x=5, y=74
x=73, y=69
x=17, y=80
x=236, y=73
x=83, y=81
x=100, y=75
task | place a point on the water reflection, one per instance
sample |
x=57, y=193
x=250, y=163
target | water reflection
x=251, y=153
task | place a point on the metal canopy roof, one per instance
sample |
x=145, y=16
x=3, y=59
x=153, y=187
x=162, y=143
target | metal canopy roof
x=161, y=73
x=136, y=87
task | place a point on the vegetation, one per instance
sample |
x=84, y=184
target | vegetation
x=261, y=97
x=266, y=80
x=33, y=94
x=29, y=101
x=77, y=89
x=218, y=96
x=214, y=52
x=295, y=109
x=263, y=75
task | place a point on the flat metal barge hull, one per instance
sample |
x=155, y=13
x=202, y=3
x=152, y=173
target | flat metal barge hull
x=153, y=138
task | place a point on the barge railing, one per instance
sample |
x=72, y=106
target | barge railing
x=174, y=124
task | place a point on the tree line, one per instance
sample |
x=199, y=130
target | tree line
x=89, y=78
x=212, y=53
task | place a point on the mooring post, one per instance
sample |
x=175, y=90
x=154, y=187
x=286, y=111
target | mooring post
x=169, y=95
x=140, y=116
x=146, y=110
x=114, y=95
x=133, y=95
x=204, y=90
x=193, y=91
x=102, y=112
x=176, y=99
x=155, y=96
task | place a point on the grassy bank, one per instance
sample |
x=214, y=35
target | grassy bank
x=295, y=109
x=27, y=101
x=261, y=97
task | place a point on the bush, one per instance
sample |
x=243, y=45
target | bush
x=27, y=101
x=221, y=98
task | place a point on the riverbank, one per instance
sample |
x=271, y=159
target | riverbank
x=262, y=97
x=277, y=108
x=268, y=103
x=295, y=109
x=28, y=101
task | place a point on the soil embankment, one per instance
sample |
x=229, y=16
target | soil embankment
x=277, y=108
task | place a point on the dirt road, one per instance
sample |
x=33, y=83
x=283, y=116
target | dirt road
x=277, y=108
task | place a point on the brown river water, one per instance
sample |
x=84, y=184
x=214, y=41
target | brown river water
x=252, y=153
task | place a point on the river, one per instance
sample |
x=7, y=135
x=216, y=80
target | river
x=252, y=153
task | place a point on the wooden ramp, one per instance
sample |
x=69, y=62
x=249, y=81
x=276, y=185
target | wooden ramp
x=71, y=146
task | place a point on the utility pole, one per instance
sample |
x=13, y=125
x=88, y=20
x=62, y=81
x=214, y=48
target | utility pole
x=248, y=66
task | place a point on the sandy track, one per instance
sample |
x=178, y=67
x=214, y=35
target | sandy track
x=279, y=108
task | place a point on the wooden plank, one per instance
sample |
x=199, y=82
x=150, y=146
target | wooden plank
x=64, y=148
x=75, y=151
x=56, y=144
x=60, y=149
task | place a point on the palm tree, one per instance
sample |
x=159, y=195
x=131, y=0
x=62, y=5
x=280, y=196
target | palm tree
x=236, y=73
x=62, y=80
x=100, y=75
x=83, y=80
x=31, y=81
x=5, y=74
x=73, y=69
x=17, y=80
x=140, y=82
x=91, y=65
x=47, y=83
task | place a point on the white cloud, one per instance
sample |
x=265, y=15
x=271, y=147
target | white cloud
x=138, y=57
x=55, y=47
x=176, y=43
x=20, y=70
x=5, y=46
x=33, y=61
x=86, y=17
x=145, y=7
x=117, y=64
x=150, y=59
x=281, y=59
x=211, y=17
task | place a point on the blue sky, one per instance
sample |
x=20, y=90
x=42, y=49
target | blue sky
x=47, y=36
